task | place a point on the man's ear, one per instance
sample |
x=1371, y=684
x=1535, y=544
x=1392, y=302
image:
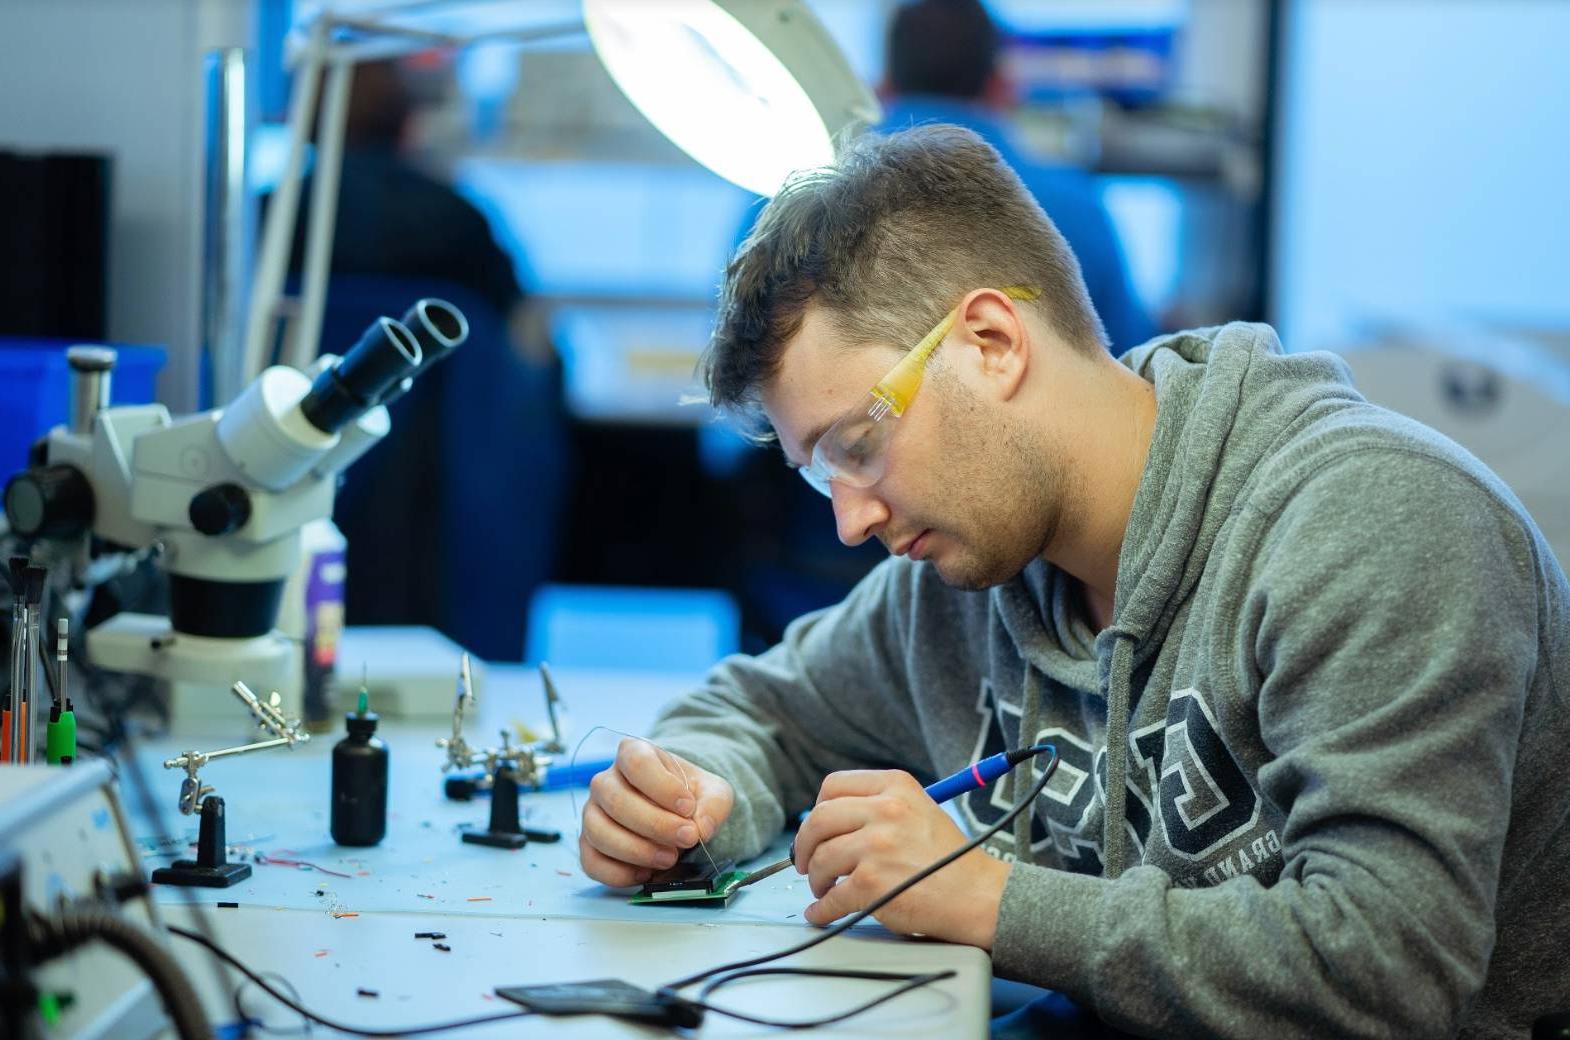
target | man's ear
x=990, y=323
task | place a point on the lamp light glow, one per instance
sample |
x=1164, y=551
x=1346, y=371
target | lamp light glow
x=751, y=89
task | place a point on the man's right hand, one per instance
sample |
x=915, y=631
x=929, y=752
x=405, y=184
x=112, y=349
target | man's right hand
x=646, y=808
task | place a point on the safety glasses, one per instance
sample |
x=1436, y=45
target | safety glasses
x=854, y=450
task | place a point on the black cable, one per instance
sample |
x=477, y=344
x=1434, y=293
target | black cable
x=130, y=765
x=910, y=982
x=105, y=700
x=303, y=1029
x=65, y=931
x=266, y=987
x=116, y=747
x=718, y=977
x=734, y=970
x=887, y=897
x=116, y=735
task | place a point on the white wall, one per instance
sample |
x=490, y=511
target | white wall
x=125, y=78
x=1221, y=57
x=1424, y=166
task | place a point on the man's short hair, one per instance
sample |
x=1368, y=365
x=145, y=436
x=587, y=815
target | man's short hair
x=887, y=240
x=943, y=47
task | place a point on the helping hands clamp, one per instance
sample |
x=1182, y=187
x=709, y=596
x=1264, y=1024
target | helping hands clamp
x=528, y=763
x=505, y=769
x=211, y=868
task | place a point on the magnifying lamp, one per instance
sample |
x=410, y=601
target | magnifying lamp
x=752, y=89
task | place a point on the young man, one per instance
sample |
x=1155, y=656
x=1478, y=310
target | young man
x=1306, y=662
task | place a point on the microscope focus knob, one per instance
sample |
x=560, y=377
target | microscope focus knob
x=49, y=502
x=220, y=509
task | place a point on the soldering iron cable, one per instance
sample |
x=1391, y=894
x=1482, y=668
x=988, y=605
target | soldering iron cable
x=725, y=973
x=300, y=1009
x=717, y=976
x=63, y=931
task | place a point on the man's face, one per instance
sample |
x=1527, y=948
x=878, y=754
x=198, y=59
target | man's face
x=960, y=488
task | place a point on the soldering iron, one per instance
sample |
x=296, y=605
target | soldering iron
x=977, y=774
x=982, y=773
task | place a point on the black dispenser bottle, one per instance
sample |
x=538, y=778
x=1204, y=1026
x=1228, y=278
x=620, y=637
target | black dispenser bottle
x=359, y=815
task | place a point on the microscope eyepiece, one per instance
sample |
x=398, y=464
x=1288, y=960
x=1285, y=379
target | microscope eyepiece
x=385, y=355
x=439, y=328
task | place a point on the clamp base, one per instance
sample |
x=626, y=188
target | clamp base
x=211, y=867
x=496, y=839
x=191, y=873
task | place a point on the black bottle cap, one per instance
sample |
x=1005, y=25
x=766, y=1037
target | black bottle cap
x=361, y=724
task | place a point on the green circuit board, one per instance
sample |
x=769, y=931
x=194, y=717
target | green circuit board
x=720, y=890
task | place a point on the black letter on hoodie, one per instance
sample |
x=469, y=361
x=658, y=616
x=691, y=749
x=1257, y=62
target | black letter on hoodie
x=1205, y=798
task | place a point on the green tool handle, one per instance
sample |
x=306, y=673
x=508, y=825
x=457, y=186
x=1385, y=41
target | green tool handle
x=60, y=737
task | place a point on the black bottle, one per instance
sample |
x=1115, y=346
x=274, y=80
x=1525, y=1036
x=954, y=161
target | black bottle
x=359, y=781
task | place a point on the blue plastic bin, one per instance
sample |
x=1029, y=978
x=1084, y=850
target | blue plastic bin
x=35, y=389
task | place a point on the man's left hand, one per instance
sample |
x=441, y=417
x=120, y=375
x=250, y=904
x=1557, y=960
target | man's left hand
x=873, y=829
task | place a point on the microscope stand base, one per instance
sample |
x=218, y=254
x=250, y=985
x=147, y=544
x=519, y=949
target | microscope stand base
x=144, y=644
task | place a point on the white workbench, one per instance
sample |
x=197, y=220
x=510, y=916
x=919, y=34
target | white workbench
x=511, y=917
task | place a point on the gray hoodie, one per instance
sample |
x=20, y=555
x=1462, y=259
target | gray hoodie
x=1336, y=684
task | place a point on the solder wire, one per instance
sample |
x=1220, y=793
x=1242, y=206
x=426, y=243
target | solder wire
x=670, y=761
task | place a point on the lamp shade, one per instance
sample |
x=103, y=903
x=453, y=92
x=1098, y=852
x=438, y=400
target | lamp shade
x=752, y=89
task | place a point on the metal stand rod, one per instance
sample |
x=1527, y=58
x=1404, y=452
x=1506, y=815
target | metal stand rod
x=302, y=348
x=504, y=832
x=278, y=235
x=201, y=758
x=211, y=868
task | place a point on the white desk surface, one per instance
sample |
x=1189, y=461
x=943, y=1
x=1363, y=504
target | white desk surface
x=511, y=917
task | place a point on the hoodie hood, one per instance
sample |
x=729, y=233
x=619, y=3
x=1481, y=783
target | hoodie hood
x=1205, y=449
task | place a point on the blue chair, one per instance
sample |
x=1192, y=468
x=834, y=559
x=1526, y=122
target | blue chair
x=617, y=627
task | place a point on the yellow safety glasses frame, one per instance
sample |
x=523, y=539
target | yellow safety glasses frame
x=853, y=450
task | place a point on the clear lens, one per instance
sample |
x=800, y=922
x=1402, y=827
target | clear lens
x=851, y=451
x=818, y=479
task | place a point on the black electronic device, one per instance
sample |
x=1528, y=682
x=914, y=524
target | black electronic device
x=689, y=875
x=692, y=881
x=606, y=997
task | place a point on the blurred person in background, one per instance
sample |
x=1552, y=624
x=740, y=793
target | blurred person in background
x=942, y=67
x=396, y=220
x=401, y=234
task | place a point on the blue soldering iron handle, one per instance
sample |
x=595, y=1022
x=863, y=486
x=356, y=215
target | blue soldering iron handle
x=971, y=777
x=978, y=774
x=579, y=775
